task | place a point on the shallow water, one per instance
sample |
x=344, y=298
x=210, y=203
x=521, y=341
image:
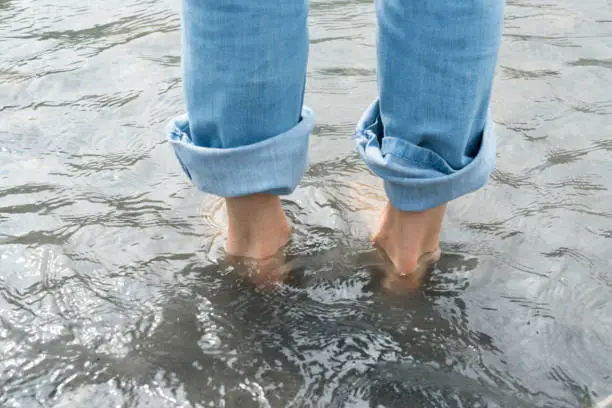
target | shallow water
x=113, y=288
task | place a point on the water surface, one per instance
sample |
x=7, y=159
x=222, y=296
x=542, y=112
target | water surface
x=113, y=287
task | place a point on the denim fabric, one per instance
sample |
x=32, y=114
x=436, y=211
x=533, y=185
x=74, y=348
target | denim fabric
x=428, y=135
x=244, y=72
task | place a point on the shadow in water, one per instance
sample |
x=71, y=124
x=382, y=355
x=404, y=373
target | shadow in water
x=328, y=336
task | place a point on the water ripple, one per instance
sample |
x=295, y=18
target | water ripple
x=115, y=290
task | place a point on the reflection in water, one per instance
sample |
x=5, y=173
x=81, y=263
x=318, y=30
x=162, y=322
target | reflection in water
x=115, y=291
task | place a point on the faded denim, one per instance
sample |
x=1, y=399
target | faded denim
x=429, y=135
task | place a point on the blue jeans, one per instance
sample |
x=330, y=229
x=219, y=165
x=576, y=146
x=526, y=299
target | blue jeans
x=428, y=135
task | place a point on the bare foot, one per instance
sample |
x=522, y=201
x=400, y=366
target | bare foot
x=257, y=226
x=410, y=239
x=263, y=273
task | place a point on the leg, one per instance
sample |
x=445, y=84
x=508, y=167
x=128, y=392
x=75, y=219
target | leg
x=245, y=135
x=429, y=136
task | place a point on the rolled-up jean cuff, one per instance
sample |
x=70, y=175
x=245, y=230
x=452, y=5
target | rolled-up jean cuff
x=420, y=194
x=274, y=165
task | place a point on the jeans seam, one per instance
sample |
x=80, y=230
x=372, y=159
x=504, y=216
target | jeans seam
x=368, y=133
x=420, y=163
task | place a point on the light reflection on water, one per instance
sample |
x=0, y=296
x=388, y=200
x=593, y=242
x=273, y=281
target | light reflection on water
x=114, y=290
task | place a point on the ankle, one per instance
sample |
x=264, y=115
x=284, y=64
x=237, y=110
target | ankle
x=410, y=238
x=401, y=252
x=257, y=228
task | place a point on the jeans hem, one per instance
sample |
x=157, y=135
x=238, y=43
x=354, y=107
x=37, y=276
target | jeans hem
x=274, y=165
x=411, y=184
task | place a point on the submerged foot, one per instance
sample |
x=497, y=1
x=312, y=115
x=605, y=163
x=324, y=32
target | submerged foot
x=257, y=226
x=257, y=232
x=411, y=240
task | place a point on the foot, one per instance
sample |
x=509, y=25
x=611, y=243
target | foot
x=257, y=226
x=410, y=240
